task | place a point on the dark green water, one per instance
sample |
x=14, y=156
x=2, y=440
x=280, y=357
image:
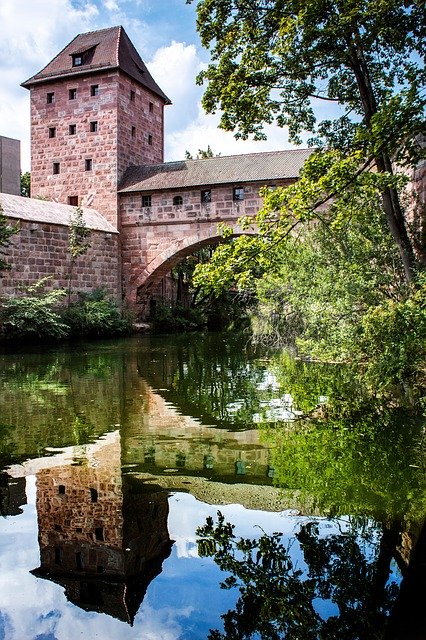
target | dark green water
x=116, y=458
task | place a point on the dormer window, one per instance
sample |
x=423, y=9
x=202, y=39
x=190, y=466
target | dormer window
x=79, y=58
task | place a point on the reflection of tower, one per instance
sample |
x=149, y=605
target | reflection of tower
x=98, y=538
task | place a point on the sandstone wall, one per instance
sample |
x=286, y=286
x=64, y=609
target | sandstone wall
x=41, y=249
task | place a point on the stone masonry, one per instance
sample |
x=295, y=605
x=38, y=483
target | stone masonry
x=97, y=132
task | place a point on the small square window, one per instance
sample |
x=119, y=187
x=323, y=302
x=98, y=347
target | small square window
x=206, y=196
x=52, y=132
x=51, y=97
x=146, y=201
x=72, y=94
x=238, y=194
x=77, y=60
x=73, y=201
x=88, y=165
x=94, y=126
x=133, y=132
x=94, y=90
x=151, y=107
x=72, y=129
x=150, y=139
x=56, y=168
x=132, y=95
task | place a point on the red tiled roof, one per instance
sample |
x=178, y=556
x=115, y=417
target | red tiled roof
x=250, y=167
x=109, y=49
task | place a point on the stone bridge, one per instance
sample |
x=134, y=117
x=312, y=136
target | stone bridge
x=169, y=211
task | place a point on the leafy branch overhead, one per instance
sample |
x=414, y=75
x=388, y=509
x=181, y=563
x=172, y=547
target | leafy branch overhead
x=276, y=61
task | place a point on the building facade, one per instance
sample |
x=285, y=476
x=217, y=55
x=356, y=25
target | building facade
x=97, y=142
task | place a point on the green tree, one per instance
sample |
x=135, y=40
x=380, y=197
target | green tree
x=277, y=596
x=78, y=244
x=26, y=184
x=6, y=232
x=201, y=155
x=273, y=60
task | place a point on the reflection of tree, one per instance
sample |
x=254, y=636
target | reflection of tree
x=218, y=380
x=279, y=600
x=367, y=464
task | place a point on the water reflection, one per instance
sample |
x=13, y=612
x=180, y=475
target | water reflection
x=99, y=538
x=134, y=444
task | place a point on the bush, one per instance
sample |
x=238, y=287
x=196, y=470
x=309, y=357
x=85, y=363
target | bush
x=95, y=315
x=34, y=315
x=393, y=341
x=174, y=320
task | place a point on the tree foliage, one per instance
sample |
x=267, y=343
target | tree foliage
x=78, y=243
x=6, y=232
x=273, y=60
x=277, y=596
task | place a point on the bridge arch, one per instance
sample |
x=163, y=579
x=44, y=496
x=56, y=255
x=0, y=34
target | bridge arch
x=170, y=255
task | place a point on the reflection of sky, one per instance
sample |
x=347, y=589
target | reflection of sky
x=182, y=603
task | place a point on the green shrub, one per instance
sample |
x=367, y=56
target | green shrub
x=96, y=315
x=33, y=315
x=166, y=319
x=393, y=341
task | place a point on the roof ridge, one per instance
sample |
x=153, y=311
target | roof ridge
x=231, y=155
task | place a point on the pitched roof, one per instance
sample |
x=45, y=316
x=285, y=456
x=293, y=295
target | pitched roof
x=33, y=210
x=250, y=167
x=105, y=50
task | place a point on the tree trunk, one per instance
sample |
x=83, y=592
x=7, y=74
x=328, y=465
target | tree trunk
x=390, y=198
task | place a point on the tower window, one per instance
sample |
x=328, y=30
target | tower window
x=206, y=195
x=77, y=60
x=151, y=107
x=150, y=139
x=94, y=90
x=88, y=164
x=133, y=132
x=94, y=126
x=146, y=201
x=177, y=200
x=72, y=94
x=52, y=132
x=56, y=170
x=93, y=495
x=50, y=98
x=99, y=533
x=73, y=201
x=238, y=194
x=61, y=489
x=72, y=129
x=58, y=555
x=132, y=95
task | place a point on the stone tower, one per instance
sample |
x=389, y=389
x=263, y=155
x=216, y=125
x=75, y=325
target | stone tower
x=95, y=110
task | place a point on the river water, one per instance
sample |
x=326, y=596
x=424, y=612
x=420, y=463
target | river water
x=170, y=488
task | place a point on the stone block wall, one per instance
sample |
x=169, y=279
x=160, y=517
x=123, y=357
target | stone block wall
x=40, y=249
x=85, y=132
x=140, y=125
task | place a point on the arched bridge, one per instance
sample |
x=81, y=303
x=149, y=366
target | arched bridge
x=171, y=210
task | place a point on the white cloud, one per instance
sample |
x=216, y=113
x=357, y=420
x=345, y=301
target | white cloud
x=31, y=33
x=111, y=5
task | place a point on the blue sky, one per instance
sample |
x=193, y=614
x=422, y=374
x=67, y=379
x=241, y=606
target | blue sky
x=32, y=32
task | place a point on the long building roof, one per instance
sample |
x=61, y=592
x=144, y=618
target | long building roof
x=104, y=50
x=33, y=210
x=250, y=167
